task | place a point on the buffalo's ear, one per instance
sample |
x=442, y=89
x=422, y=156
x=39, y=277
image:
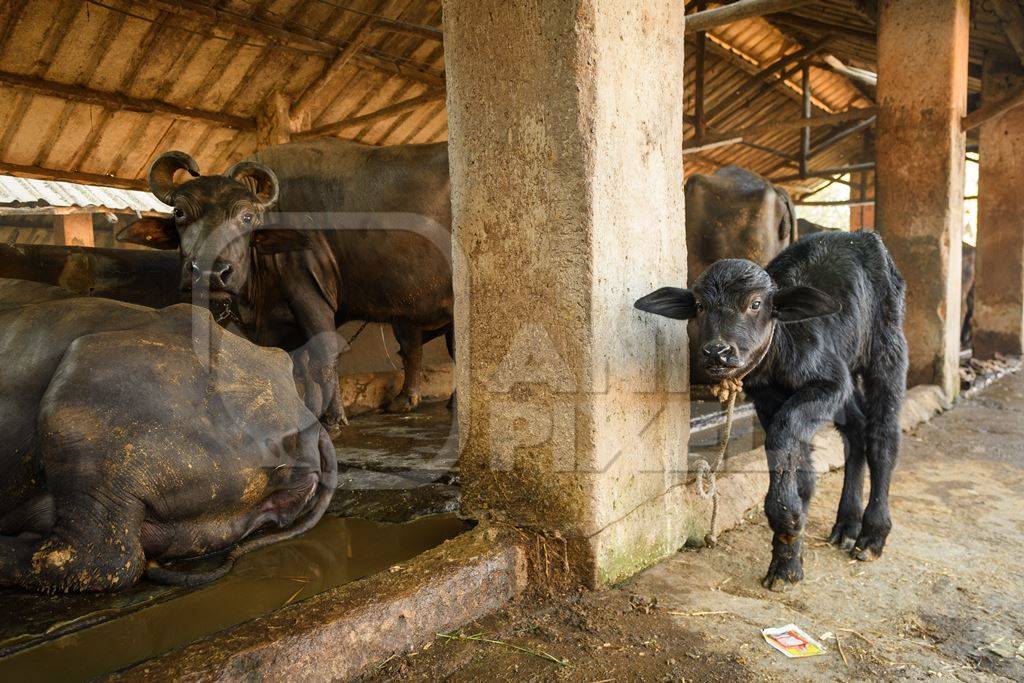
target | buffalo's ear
x=278, y=240
x=159, y=233
x=793, y=304
x=671, y=302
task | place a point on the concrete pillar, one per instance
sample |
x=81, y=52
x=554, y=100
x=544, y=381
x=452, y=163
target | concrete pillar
x=565, y=134
x=922, y=94
x=999, y=275
x=73, y=229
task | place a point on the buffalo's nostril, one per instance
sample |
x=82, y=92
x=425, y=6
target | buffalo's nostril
x=715, y=349
x=225, y=273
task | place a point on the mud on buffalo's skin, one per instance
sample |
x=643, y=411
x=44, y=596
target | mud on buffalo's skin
x=121, y=448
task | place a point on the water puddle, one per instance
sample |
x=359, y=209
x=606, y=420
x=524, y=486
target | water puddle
x=80, y=637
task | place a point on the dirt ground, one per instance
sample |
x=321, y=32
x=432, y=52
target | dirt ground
x=946, y=601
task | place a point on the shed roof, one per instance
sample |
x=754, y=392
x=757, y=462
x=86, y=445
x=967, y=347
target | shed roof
x=31, y=192
x=93, y=90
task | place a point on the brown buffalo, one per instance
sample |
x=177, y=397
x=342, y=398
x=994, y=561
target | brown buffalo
x=321, y=232
x=734, y=213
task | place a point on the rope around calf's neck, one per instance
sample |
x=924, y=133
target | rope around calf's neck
x=726, y=392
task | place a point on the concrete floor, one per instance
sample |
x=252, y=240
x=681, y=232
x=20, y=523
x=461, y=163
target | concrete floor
x=946, y=600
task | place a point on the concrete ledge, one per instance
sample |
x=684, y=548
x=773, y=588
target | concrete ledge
x=744, y=482
x=342, y=632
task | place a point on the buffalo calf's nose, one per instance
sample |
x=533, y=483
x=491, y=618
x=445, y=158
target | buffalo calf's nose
x=715, y=349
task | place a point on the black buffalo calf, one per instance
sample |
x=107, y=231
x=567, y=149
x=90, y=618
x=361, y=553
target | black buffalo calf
x=820, y=332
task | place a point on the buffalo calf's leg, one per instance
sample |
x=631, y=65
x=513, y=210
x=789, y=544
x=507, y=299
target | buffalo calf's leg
x=410, y=339
x=884, y=398
x=791, y=472
x=850, y=423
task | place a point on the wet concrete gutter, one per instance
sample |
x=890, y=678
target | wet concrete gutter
x=343, y=632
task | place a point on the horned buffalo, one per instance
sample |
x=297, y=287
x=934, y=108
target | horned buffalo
x=123, y=447
x=735, y=213
x=324, y=231
x=819, y=336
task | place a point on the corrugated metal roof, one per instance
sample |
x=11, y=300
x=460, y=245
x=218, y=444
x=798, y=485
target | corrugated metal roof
x=17, y=192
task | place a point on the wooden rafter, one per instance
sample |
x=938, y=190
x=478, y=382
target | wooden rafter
x=294, y=35
x=788, y=124
x=366, y=119
x=72, y=176
x=1013, y=24
x=744, y=9
x=116, y=101
x=989, y=111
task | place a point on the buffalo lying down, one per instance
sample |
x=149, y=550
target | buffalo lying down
x=321, y=232
x=820, y=332
x=121, y=448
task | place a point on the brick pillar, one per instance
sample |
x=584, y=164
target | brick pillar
x=565, y=130
x=922, y=94
x=999, y=278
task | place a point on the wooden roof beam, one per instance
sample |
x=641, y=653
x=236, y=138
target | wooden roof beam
x=744, y=9
x=380, y=114
x=355, y=43
x=789, y=124
x=294, y=35
x=1013, y=24
x=41, y=173
x=989, y=111
x=116, y=101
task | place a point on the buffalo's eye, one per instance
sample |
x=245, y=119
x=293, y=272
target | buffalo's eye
x=755, y=304
x=700, y=307
x=247, y=218
x=179, y=214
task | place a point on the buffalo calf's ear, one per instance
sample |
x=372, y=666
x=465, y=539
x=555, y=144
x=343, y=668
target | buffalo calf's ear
x=278, y=240
x=793, y=304
x=671, y=302
x=159, y=233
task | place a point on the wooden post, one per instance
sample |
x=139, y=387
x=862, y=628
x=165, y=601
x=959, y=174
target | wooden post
x=922, y=95
x=274, y=121
x=73, y=229
x=700, y=124
x=999, y=278
x=805, y=133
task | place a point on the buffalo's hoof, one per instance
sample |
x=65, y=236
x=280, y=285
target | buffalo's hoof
x=785, y=571
x=333, y=424
x=403, y=403
x=868, y=548
x=844, y=535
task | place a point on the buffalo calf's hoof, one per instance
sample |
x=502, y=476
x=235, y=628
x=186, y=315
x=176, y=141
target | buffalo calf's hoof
x=867, y=549
x=404, y=403
x=844, y=535
x=333, y=423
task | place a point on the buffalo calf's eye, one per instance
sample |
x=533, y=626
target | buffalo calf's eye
x=754, y=305
x=247, y=219
x=700, y=308
x=179, y=214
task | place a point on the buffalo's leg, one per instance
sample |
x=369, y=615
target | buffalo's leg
x=88, y=549
x=884, y=399
x=410, y=340
x=316, y=318
x=850, y=423
x=791, y=473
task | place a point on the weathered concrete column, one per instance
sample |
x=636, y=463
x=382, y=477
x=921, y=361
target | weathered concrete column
x=999, y=278
x=73, y=229
x=922, y=94
x=565, y=138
